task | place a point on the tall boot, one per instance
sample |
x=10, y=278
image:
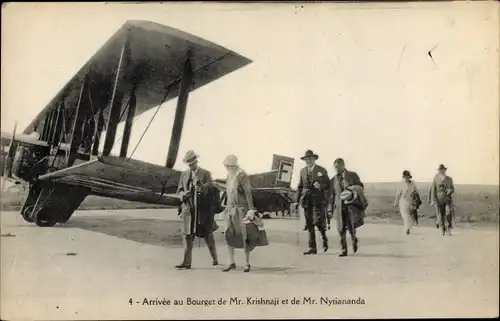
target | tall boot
x=343, y=243
x=325, y=240
x=312, y=242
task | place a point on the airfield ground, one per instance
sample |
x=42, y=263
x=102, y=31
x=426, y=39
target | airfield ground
x=91, y=267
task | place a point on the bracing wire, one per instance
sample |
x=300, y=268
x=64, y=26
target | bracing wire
x=152, y=118
x=133, y=122
x=127, y=106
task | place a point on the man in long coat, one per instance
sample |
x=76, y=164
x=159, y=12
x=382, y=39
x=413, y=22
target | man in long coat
x=312, y=193
x=440, y=196
x=347, y=203
x=200, y=202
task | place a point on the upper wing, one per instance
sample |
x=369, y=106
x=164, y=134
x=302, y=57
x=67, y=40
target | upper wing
x=155, y=60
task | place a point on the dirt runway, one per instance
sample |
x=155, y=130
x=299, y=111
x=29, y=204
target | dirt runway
x=100, y=261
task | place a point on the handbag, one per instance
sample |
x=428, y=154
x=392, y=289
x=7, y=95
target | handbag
x=416, y=201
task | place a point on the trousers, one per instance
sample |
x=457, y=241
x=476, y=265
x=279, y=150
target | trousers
x=444, y=216
x=312, y=237
x=315, y=215
x=346, y=226
x=188, y=250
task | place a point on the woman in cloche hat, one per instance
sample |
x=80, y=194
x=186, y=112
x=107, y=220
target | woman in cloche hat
x=404, y=199
x=244, y=226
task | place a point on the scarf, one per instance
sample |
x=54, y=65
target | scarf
x=232, y=183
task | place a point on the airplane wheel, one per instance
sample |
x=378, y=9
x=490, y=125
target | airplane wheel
x=26, y=214
x=45, y=210
x=45, y=218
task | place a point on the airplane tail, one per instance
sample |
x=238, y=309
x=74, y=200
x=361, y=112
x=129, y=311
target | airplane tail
x=284, y=166
x=279, y=176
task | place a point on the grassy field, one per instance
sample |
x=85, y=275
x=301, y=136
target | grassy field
x=474, y=203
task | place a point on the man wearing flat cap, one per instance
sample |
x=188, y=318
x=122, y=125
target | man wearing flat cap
x=312, y=193
x=440, y=196
x=200, y=200
x=347, y=203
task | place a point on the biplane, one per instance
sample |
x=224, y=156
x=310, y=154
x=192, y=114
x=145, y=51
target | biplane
x=64, y=155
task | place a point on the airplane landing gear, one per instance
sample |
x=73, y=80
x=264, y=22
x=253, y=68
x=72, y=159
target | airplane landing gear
x=49, y=204
x=26, y=213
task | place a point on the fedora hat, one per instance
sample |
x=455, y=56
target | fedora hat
x=190, y=157
x=441, y=167
x=231, y=160
x=407, y=174
x=309, y=153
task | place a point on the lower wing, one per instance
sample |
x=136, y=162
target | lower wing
x=119, y=178
x=268, y=199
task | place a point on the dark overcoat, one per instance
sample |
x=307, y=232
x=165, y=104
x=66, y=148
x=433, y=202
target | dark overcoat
x=200, y=204
x=335, y=204
x=314, y=200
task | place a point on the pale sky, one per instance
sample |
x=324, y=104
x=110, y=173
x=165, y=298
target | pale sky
x=345, y=80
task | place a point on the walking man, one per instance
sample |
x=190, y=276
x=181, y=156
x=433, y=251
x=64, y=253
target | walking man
x=200, y=202
x=440, y=196
x=312, y=193
x=348, y=203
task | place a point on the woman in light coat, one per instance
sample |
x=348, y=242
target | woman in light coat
x=244, y=226
x=404, y=199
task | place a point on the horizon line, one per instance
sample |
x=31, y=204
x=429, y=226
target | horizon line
x=387, y=182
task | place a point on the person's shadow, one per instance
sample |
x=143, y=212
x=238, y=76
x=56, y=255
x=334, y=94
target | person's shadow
x=388, y=255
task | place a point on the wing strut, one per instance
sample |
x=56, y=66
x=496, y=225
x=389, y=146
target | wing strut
x=76, y=130
x=52, y=141
x=180, y=111
x=115, y=103
x=128, y=123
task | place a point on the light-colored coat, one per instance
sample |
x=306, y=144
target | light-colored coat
x=404, y=199
x=239, y=191
x=242, y=231
x=441, y=190
x=202, y=176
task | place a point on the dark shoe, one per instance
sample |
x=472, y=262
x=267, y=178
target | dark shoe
x=215, y=262
x=311, y=251
x=355, y=245
x=325, y=247
x=437, y=226
x=183, y=266
x=408, y=232
x=305, y=228
x=230, y=267
x=344, y=253
x=247, y=268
